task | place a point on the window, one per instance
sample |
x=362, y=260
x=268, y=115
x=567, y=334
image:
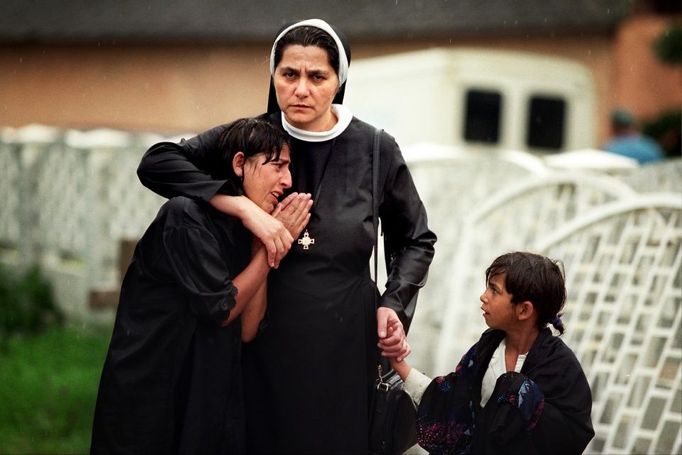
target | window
x=546, y=122
x=482, y=116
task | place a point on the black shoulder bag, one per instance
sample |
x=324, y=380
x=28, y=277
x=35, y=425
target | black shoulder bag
x=392, y=428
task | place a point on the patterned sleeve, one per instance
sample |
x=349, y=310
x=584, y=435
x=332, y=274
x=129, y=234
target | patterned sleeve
x=523, y=394
x=511, y=414
x=444, y=417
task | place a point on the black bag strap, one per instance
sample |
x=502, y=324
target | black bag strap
x=375, y=202
x=382, y=364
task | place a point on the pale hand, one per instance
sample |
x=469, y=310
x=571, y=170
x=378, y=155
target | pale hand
x=392, y=340
x=275, y=236
x=294, y=212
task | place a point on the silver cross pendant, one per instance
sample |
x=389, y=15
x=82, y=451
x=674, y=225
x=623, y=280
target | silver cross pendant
x=306, y=241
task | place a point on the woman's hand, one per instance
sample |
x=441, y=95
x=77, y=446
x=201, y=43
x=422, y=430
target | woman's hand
x=392, y=340
x=275, y=236
x=294, y=212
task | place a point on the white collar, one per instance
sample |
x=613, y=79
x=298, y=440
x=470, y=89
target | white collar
x=344, y=116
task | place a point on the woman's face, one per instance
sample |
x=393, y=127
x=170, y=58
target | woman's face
x=306, y=84
x=264, y=183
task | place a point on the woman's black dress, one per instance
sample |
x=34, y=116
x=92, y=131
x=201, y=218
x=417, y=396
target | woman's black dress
x=310, y=371
x=172, y=379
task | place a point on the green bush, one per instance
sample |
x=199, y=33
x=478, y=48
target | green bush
x=665, y=128
x=48, y=386
x=668, y=46
x=27, y=304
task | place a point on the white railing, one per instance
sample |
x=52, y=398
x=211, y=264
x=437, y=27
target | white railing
x=623, y=258
x=69, y=197
x=623, y=266
x=452, y=184
x=511, y=218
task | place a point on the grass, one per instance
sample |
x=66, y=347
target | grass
x=48, y=386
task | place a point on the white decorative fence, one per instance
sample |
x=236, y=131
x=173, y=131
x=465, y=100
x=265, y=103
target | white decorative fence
x=621, y=246
x=623, y=264
x=512, y=218
x=452, y=184
x=70, y=197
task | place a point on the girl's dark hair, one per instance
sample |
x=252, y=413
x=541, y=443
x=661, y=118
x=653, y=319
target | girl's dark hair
x=534, y=278
x=309, y=36
x=252, y=136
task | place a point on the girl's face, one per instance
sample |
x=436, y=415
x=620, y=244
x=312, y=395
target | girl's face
x=498, y=310
x=264, y=183
x=306, y=84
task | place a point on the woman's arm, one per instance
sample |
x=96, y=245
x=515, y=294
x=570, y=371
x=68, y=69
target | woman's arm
x=251, y=298
x=254, y=313
x=408, y=240
x=182, y=169
x=272, y=232
x=294, y=213
x=196, y=262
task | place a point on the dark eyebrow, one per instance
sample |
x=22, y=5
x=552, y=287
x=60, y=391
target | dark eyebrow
x=318, y=73
x=288, y=68
x=313, y=72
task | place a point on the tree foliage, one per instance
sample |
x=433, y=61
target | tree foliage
x=27, y=303
x=668, y=46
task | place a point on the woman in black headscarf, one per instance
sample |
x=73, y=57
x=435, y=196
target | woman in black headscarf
x=310, y=371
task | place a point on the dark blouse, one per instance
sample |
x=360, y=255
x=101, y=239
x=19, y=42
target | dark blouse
x=172, y=379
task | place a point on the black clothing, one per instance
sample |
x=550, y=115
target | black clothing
x=546, y=408
x=309, y=371
x=172, y=379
